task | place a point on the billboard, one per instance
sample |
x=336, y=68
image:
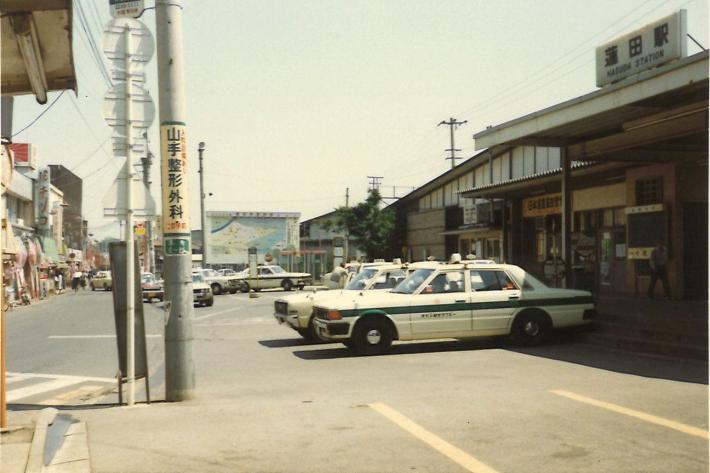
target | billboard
x=233, y=233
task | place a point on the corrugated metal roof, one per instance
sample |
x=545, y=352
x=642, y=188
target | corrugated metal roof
x=530, y=177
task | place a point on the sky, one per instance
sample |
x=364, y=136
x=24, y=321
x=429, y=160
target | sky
x=298, y=100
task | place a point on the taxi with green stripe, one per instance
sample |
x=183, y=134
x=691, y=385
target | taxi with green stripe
x=453, y=300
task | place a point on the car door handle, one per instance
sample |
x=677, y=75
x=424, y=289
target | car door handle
x=461, y=300
x=513, y=297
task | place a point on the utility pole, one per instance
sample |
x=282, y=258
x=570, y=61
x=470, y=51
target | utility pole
x=179, y=365
x=203, y=218
x=374, y=182
x=150, y=258
x=347, y=197
x=452, y=123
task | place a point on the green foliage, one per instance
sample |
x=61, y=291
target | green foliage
x=370, y=225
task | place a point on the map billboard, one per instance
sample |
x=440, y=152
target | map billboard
x=233, y=233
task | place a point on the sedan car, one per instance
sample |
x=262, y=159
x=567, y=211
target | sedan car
x=152, y=287
x=271, y=277
x=201, y=291
x=102, y=280
x=296, y=311
x=459, y=300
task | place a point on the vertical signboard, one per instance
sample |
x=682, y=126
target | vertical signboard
x=176, y=214
x=655, y=44
x=43, y=202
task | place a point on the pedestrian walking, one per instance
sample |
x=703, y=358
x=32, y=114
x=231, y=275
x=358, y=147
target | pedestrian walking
x=658, y=261
x=76, y=279
x=83, y=281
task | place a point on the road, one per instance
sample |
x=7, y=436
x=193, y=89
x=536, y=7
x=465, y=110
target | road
x=266, y=400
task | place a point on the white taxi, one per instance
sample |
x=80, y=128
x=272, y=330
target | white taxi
x=453, y=300
x=296, y=311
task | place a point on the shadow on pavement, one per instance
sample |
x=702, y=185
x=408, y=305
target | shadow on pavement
x=560, y=348
x=407, y=348
x=289, y=342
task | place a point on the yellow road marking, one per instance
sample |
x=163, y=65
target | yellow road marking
x=437, y=443
x=671, y=424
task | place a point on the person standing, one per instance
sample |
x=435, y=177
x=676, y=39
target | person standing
x=76, y=279
x=658, y=262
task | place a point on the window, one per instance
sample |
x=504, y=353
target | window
x=388, y=280
x=649, y=191
x=445, y=283
x=490, y=281
x=517, y=163
x=540, y=159
x=528, y=160
x=497, y=170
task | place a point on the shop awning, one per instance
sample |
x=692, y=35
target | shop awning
x=37, y=54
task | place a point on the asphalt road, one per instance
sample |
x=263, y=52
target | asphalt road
x=266, y=400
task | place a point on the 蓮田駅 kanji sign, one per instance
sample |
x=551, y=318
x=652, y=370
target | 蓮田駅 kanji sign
x=655, y=44
x=176, y=215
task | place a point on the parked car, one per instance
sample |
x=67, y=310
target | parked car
x=272, y=276
x=296, y=310
x=219, y=284
x=152, y=287
x=201, y=291
x=457, y=300
x=102, y=280
x=331, y=280
x=227, y=272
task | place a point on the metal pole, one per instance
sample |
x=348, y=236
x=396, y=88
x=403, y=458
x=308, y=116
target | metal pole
x=179, y=366
x=203, y=217
x=130, y=298
x=566, y=217
x=150, y=257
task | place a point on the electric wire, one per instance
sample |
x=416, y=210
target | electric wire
x=56, y=99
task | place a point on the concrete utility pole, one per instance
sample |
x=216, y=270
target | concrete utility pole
x=374, y=182
x=203, y=217
x=150, y=257
x=179, y=366
x=452, y=123
x=347, y=197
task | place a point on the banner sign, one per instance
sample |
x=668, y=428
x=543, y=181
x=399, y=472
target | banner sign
x=132, y=8
x=43, y=202
x=645, y=226
x=549, y=204
x=655, y=44
x=176, y=214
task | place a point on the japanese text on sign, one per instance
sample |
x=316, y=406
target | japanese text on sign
x=654, y=44
x=543, y=205
x=173, y=143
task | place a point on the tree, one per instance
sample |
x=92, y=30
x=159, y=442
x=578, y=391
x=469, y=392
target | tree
x=369, y=224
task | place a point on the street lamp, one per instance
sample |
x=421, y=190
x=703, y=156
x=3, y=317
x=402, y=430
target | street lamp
x=200, y=150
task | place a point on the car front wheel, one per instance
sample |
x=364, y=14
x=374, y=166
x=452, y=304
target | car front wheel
x=216, y=289
x=287, y=284
x=245, y=287
x=371, y=336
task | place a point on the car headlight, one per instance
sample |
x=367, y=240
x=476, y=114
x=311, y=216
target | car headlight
x=334, y=315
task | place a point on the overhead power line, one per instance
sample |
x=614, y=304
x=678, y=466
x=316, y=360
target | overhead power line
x=40, y=115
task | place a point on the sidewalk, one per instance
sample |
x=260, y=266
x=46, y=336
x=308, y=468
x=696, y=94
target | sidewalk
x=658, y=326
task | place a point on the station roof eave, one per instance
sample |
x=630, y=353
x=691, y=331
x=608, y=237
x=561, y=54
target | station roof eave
x=547, y=181
x=36, y=47
x=668, y=104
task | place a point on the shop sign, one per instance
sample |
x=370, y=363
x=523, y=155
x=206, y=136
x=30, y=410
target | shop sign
x=44, y=189
x=176, y=214
x=469, y=211
x=639, y=253
x=129, y=8
x=656, y=43
x=549, y=204
x=583, y=244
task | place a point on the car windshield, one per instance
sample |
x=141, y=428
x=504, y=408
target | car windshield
x=197, y=278
x=210, y=273
x=413, y=281
x=360, y=281
x=277, y=269
x=146, y=278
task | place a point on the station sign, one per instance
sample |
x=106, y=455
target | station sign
x=650, y=46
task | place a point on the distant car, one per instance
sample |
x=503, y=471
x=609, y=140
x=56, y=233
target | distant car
x=152, y=287
x=271, y=277
x=296, y=311
x=220, y=284
x=201, y=291
x=102, y=280
x=458, y=300
x=227, y=272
